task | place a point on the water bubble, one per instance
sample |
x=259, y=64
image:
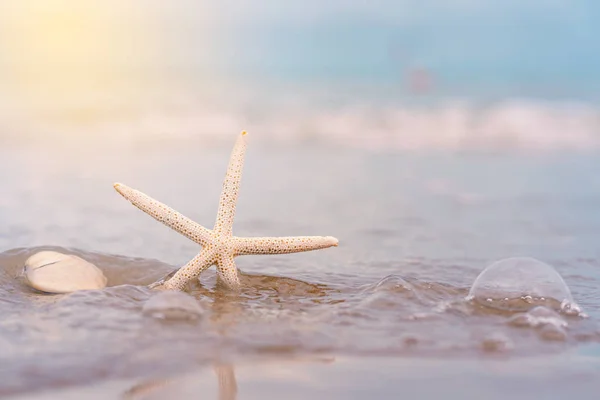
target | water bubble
x=173, y=305
x=391, y=292
x=571, y=308
x=537, y=317
x=520, y=284
x=381, y=300
x=392, y=283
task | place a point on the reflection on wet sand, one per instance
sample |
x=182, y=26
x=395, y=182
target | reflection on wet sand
x=226, y=309
x=227, y=383
x=189, y=385
x=168, y=387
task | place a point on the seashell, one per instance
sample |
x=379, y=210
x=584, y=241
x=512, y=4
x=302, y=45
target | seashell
x=53, y=272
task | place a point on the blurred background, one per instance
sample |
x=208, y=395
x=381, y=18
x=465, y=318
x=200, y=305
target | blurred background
x=379, y=75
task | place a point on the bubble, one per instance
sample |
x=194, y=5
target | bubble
x=571, y=308
x=392, y=283
x=381, y=301
x=391, y=292
x=173, y=305
x=537, y=317
x=520, y=284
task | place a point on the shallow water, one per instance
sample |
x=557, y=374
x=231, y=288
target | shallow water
x=415, y=231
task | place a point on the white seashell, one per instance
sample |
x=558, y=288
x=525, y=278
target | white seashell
x=54, y=272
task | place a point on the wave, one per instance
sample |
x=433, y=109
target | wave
x=454, y=125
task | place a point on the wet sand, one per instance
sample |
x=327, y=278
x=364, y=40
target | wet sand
x=357, y=378
x=388, y=305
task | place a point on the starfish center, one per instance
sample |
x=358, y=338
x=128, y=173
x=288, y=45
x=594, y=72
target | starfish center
x=223, y=244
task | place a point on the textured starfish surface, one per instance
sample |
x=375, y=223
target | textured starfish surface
x=219, y=246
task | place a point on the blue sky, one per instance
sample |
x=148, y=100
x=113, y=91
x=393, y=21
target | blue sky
x=479, y=43
x=484, y=42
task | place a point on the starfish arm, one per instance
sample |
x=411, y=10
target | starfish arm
x=231, y=186
x=282, y=245
x=166, y=215
x=191, y=270
x=228, y=272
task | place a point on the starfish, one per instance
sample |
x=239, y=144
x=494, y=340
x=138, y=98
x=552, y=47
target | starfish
x=219, y=246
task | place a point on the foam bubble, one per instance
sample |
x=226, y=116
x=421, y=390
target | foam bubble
x=521, y=283
x=391, y=283
x=537, y=317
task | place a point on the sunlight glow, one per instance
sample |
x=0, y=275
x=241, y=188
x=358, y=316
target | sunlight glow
x=64, y=48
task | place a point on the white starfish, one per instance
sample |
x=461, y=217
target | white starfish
x=219, y=246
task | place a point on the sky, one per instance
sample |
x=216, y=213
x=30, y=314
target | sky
x=466, y=43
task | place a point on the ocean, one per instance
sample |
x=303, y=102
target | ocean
x=432, y=140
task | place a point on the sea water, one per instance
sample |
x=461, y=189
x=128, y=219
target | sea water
x=493, y=155
x=415, y=230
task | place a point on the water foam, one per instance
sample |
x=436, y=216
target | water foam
x=455, y=125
